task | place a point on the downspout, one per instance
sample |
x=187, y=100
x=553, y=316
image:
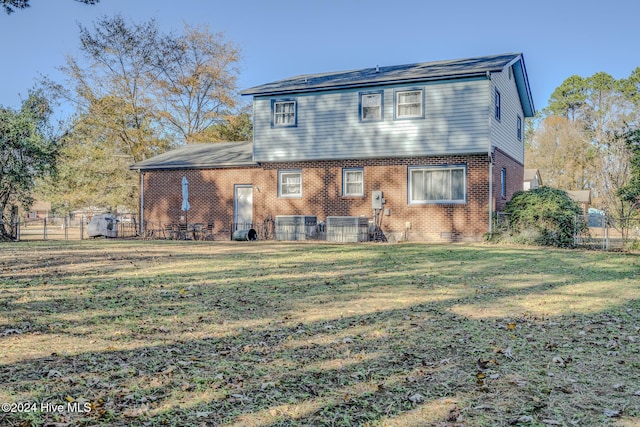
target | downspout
x=490, y=154
x=490, y=192
x=142, y=230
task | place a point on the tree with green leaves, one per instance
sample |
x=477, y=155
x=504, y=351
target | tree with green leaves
x=27, y=150
x=228, y=128
x=90, y=173
x=10, y=6
x=628, y=192
x=567, y=99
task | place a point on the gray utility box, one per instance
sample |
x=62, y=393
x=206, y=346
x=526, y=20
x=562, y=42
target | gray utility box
x=103, y=225
x=296, y=227
x=347, y=229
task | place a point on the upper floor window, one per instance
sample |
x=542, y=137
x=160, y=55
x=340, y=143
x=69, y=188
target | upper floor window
x=353, y=182
x=409, y=104
x=519, y=128
x=498, y=105
x=290, y=183
x=432, y=184
x=284, y=113
x=371, y=107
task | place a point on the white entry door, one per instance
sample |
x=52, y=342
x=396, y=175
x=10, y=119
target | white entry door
x=243, y=207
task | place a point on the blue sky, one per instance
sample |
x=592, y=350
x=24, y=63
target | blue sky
x=284, y=38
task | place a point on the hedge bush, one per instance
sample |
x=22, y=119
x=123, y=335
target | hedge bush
x=544, y=216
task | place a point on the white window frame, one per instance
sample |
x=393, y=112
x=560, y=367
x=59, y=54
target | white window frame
x=364, y=96
x=412, y=172
x=397, y=104
x=503, y=183
x=498, y=105
x=275, y=104
x=346, y=172
x=284, y=185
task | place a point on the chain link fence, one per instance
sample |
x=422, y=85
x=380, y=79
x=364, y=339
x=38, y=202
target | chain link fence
x=67, y=228
x=604, y=232
x=593, y=231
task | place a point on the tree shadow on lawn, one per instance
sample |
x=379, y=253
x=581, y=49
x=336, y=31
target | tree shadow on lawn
x=326, y=355
x=350, y=371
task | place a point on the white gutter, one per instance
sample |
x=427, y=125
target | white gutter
x=142, y=202
x=490, y=154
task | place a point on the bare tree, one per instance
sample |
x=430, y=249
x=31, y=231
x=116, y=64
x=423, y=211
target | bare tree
x=562, y=151
x=11, y=5
x=136, y=93
x=196, y=81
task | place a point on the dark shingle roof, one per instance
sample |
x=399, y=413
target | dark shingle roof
x=426, y=71
x=201, y=156
x=392, y=74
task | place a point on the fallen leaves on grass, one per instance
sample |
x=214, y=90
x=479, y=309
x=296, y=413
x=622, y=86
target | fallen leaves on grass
x=337, y=335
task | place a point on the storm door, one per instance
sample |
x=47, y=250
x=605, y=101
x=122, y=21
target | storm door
x=243, y=207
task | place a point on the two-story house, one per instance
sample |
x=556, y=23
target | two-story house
x=442, y=141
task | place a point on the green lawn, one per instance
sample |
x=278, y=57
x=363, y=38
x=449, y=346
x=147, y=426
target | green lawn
x=269, y=334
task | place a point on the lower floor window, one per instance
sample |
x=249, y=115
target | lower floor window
x=290, y=183
x=437, y=184
x=353, y=182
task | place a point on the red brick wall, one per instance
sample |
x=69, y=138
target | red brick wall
x=515, y=178
x=212, y=191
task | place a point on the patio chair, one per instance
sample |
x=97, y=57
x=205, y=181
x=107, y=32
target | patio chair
x=207, y=233
x=170, y=231
x=182, y=231
x=198, y=229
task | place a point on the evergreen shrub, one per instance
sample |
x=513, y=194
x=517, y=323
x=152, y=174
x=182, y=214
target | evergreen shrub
x=543, y=216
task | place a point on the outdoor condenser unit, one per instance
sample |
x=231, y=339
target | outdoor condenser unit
x=347, y=229
x=295, y=227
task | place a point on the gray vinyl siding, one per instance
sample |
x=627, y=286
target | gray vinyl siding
x=329, y=127
x=504, y=132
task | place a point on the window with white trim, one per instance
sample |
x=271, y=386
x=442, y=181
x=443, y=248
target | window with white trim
x=353, y=182
x=284, y=113
x=437, y=184
x=409, y=104
x=503, y=183
x=371, y=107
x=290, y=183
x=498, y=105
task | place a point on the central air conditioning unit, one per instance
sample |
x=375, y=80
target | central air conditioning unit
x=296, y=227
x=347, y=229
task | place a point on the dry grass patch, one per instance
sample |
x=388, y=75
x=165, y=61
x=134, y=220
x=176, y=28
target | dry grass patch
x=266, y=334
